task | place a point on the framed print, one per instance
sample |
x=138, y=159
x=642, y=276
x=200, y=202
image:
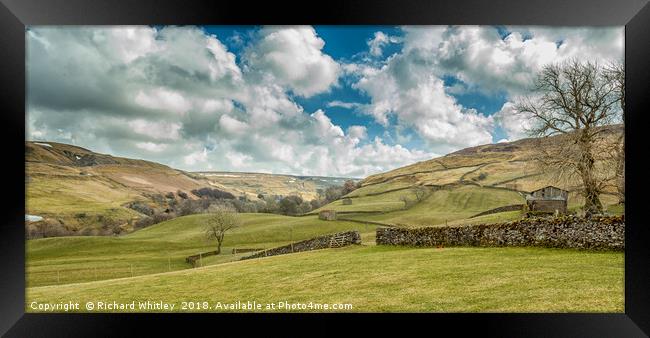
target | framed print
x=469, y=166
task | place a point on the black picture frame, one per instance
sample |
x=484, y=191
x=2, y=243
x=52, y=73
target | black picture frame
x=15, y=15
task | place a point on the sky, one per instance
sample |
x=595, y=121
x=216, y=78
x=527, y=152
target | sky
x=345, y=101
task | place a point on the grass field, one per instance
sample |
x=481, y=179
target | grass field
x=69, y=194
x=386, y=202
x=163, y=247
x=385, y=279
x=447, y=205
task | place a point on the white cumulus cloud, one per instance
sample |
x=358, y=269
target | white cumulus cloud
x=293, y=57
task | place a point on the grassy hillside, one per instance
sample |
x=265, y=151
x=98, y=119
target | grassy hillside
x=378, y=278
x=164, y=246
x=80, y=189
x=446, y=205
x=460, y=185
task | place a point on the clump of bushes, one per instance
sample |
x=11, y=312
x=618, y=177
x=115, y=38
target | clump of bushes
x=141, y=207
x=182, y=195
x=47, y=228
x=151, y=220
x=212, y=193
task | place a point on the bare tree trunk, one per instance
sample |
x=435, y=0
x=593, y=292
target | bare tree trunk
x=586, y=169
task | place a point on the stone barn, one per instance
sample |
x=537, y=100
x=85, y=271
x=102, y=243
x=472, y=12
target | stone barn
x=327, y=215
x=347, y=201
x=549, y=199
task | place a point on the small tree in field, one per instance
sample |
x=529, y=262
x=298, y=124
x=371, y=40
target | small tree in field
x=220, y=221
x=420, y=193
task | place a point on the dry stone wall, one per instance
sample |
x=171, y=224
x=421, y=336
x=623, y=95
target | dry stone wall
x=513, y=207
x=328, y=241
x=596, y=233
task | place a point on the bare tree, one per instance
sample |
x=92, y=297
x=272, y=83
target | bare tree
x=220, y=221
x=420, y=193
x=575, y=100
x=348, y=187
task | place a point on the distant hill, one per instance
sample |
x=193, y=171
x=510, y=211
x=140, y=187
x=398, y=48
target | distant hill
x=253, y=184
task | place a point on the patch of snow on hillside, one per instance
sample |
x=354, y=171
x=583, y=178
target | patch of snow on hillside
x=33, y=218
x=44, y=144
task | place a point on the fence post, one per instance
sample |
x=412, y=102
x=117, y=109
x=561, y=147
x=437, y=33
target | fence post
x=131, y=265
x=58, y=278
x=95, y=273
x=201, y=259
x=169, y=263
x=291, y=237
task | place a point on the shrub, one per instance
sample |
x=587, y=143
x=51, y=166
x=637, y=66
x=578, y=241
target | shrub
x=349, y=186
x=290, y=205
x=315, y=204
x=333, y=193
x=161, y=217
x=182, y=194
x=143, y=222
x=158, y=198
x=53, y=229
x=32, y=231
x=212, y=193
x=141, y=207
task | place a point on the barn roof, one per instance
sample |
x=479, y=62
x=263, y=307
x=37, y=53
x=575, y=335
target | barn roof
x=549, y=186
x=530, y=196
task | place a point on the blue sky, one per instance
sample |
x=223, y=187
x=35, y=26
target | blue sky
x=348, y=43
x=344, y=43
x=306, y=100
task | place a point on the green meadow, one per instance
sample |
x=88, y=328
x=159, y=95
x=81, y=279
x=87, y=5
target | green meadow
x=163, y=247
x=379, y=278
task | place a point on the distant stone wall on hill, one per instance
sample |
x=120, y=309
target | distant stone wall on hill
x=597, y=233
x=513, y=207
x=328, y=241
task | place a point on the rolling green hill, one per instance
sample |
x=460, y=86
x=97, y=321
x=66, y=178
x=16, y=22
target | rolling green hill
x=452, y=188
x=442, y=206
x=164, y=246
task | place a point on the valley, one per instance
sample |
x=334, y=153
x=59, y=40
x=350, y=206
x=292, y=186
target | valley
x=457, y=189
